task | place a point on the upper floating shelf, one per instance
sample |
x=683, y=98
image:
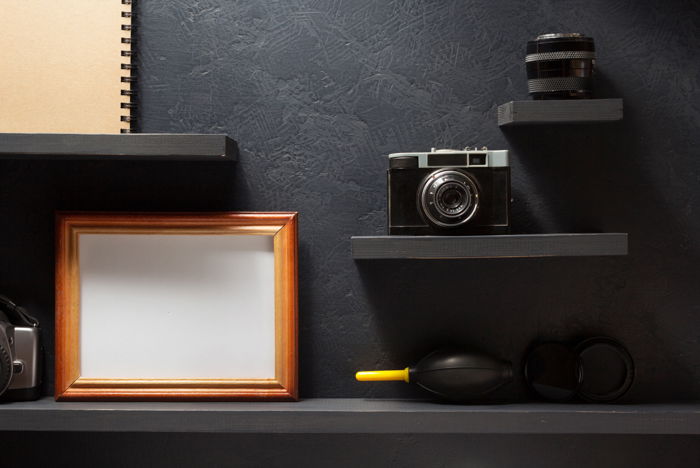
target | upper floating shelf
x=500, y=246
x=128, y=146
x=559, y=111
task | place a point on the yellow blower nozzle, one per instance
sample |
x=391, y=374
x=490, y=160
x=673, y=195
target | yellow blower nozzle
x=382, y=375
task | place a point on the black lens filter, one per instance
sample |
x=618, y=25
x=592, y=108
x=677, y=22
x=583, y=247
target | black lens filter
x=597, y=370
x=607, y=369
x=552, y=371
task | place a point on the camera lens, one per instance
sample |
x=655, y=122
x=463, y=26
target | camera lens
x=448, y=198
x=560, y=66
x=452, y=199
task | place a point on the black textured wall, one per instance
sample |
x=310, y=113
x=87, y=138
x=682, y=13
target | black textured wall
x=317, y=93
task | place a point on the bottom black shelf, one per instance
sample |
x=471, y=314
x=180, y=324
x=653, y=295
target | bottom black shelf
x=345, y=416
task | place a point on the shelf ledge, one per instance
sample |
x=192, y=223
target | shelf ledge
x=559, y=111
x=497, y=246
x=128, y=146
x=330, y=415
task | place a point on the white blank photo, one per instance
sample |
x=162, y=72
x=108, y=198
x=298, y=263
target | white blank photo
x=177, y=306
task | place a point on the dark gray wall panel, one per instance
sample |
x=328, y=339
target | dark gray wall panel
x=318, y=92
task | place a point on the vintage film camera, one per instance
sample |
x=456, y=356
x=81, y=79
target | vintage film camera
x=449, y=192
x=20, y=353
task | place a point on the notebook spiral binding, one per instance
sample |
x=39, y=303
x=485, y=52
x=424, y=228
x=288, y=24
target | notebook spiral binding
x=129, y=76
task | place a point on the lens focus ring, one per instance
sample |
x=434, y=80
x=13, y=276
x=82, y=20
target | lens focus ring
x=550, y=85
x=561, y=55
x=448, y=198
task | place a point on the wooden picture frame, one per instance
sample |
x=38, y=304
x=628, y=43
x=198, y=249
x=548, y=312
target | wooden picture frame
x=95, y=289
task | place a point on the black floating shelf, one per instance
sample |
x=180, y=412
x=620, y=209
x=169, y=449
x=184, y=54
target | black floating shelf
x=129, y=146
x=559, y=111
x=499, y=246
x=357, y=416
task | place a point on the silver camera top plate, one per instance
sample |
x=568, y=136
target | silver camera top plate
x=468, y=157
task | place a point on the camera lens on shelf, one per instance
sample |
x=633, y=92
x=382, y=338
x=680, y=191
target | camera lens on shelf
x=452, y=199
x=560, y=66
x=448, y=198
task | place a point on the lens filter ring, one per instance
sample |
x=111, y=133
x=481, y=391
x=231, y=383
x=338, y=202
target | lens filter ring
x=448, y=198
x=607, y=369
x=543, y=37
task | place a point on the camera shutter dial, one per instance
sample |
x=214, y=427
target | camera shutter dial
x=448, y=198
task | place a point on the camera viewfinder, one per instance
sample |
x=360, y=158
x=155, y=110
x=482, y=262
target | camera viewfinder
x=477, y=159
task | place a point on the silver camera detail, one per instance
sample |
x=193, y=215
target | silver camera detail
x=20, y=353
x=470, y=156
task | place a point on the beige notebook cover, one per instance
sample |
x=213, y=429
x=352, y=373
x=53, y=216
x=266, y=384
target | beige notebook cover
x=61, y=66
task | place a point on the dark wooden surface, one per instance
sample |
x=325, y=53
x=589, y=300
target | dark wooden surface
x=165, y=146
x=182, y=450
x=352, y=415
x=559, y=111
x=501, y=246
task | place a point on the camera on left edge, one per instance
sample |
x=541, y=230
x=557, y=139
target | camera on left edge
x=20, y=353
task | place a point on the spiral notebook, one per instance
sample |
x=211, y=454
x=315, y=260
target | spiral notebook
x=66, y=66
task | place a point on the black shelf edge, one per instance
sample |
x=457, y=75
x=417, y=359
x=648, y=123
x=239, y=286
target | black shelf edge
x=329, y=415
x=128, y=146
x=559, y=111
x=497, y=246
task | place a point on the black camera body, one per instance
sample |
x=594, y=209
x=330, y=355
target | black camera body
x=449, y=192
x=20, y=354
